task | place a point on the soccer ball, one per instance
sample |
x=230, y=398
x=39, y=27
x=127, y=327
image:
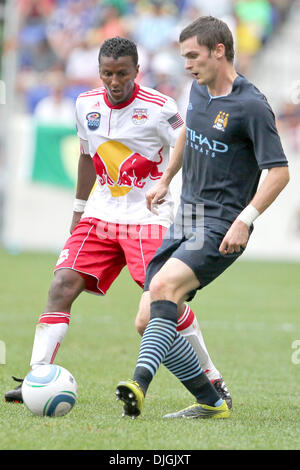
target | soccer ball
x=49, y=390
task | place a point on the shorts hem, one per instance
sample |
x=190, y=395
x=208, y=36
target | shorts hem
x=98, y=292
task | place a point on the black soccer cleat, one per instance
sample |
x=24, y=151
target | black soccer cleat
x=15, y=395
x=132, y=395
x=222, y=390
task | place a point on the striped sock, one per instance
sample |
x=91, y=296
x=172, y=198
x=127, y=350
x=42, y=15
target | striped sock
x=183, y=362
x=156, y=341
x=188, y=327
x=162, y=343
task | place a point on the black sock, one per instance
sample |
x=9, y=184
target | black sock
x=202, y=389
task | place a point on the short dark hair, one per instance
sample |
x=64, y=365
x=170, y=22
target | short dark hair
x=210, y=32
x=119, y=47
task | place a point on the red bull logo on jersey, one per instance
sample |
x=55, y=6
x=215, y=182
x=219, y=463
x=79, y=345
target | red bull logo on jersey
x=135, y=170
x=122, y=170
x=139, y=116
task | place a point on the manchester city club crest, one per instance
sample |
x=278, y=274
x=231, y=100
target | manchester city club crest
x=221, y=121
x=139, y=116
x=93, y=120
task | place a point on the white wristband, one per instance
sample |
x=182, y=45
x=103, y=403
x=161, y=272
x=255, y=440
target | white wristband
x=248, y=215
x=79, y=205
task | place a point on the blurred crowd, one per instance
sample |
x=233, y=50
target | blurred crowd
x=59, y=41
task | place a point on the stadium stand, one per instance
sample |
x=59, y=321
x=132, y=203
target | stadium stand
x=52, y=54
x=59, y=36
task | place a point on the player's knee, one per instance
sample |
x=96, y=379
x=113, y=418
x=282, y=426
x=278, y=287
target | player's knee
x=167, y=286
x=160, y=287
x=66, y=285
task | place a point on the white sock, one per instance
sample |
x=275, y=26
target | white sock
x=48, y=337
x=191, y=331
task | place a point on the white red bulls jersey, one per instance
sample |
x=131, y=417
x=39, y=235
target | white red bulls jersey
x=130, y=145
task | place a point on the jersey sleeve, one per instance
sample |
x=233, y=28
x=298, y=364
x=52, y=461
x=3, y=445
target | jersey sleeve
x=170, y=122
x=261, y=130
x=84, y=145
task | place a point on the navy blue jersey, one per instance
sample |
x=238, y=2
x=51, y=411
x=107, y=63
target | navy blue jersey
x=229, y=141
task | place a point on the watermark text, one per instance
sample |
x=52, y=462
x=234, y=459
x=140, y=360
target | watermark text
x=296, y=354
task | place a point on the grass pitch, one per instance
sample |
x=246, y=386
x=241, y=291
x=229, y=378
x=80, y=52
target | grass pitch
x=250, y=320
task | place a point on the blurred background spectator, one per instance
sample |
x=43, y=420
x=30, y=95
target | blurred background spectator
x=288, y=122
x=254, y=26
x=56, y=108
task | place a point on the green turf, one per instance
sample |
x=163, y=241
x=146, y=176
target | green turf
x=249, y=317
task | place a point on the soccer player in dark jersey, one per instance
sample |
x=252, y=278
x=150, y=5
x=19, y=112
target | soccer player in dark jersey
x=229, y=138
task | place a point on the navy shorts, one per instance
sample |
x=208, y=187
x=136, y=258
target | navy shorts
x=199, y=249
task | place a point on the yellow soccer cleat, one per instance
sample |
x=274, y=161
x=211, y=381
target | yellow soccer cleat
x=199, y=410
x=133, y=397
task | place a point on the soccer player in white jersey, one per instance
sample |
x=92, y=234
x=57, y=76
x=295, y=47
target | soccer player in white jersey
x=126, y=131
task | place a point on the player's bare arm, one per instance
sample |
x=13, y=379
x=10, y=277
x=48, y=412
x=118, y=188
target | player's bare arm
x=238, y=234
x=85, y=182
x=156, y=194
x=275, y=181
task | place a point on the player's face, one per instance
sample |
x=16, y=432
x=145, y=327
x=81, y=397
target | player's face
x=199, y=61
x=118, y=77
